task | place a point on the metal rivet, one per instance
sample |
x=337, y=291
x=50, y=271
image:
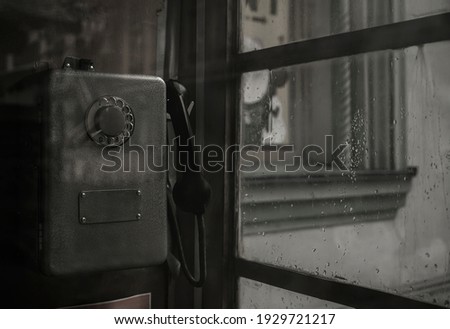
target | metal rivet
x=67, y=65
x=138, y=216
x=83, y=220
x=83, y=195
x=138, y=192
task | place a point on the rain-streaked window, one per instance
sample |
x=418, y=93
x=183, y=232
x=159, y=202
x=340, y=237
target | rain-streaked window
x=375, y=212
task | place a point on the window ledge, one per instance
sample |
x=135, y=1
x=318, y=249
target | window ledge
x=286, y=202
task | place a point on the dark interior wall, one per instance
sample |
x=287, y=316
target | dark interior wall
x=120, y=37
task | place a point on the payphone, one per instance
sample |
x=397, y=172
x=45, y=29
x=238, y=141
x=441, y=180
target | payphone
x=64, y=212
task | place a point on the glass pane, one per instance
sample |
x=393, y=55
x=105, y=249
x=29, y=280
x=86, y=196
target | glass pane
x=268, y=23
x=349, y=173
x=119, y=36
x=257, y=295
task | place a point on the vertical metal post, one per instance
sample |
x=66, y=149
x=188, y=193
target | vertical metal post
x=361, y=114
x=341, y=82
x=217, y=116
x=398, y=120
x=300, y=99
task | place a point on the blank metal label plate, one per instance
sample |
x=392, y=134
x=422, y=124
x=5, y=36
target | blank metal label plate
x=109, y=206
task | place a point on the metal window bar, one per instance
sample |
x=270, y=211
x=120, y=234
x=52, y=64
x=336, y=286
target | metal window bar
x=334, y=291
x=391, y=36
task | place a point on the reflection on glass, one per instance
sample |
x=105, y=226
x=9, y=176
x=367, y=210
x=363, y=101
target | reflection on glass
x=119, y=36
x=268, y=23
x=381, y=221
x=253, y=294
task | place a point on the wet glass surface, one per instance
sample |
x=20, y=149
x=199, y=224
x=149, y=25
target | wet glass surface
x=381, y=221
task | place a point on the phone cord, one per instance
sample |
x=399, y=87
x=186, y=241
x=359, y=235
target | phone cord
x=201, y=243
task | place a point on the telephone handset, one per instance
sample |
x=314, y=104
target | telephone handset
x=191, y=191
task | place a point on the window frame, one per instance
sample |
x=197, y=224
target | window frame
x=219, y=66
